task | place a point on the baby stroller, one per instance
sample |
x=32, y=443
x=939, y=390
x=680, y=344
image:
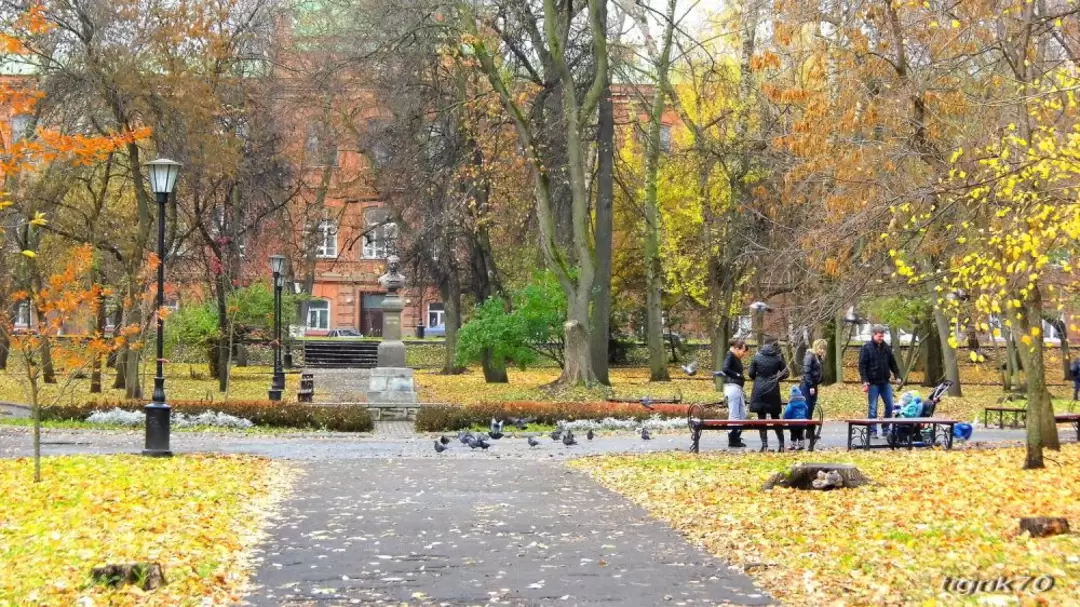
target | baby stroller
x=917, y=435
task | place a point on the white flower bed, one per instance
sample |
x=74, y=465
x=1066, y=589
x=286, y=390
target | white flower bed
x=119, y=417
x=610, y=423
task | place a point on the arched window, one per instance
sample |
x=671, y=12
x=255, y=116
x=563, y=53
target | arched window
x=318, y=314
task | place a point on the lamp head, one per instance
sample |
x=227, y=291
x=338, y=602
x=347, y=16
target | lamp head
x=277, y=264
x=163, y=173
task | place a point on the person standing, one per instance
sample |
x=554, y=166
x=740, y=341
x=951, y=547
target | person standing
x=876, y=363
x=767, y=369
x=732, y=372
x=1075, y=370
x=812, y=374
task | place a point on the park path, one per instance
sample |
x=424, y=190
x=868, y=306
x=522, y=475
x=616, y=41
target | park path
x=478, y=531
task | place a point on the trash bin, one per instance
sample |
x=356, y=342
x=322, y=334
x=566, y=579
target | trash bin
x=419, y=331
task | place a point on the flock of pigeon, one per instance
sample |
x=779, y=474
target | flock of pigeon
x=495, y=432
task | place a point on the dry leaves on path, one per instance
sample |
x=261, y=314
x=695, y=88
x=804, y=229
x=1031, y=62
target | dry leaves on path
x=929, y=515
x=198, y=516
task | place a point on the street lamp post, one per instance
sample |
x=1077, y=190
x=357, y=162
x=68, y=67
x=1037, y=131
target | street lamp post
x=277, y=265
x=163, y=173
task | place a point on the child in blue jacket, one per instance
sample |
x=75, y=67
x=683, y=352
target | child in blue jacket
x=796, y=409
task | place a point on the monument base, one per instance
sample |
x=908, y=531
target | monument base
x=391, y=385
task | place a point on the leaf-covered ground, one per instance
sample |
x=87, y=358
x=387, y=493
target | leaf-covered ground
x=196, y=515
x=839, y=401
x=930, y=515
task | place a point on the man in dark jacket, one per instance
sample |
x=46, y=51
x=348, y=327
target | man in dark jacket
x=876, y=362
x=767, y=369
x=1075, y=370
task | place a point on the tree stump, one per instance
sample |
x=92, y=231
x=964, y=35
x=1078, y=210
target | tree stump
x=147, y=576
x=821, y=477
x=1042, y=526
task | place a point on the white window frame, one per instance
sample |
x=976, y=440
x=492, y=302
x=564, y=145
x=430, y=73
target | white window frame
x=22, y=315
x=440, y=314
x=666, y=138
x=323, y=315
x=327, y=247
x=377, y=241
x=20, y=126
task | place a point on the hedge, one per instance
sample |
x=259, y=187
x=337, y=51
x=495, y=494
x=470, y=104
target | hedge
x=446, y=418
x=346, y=418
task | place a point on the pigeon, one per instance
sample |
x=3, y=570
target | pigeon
x=645, y=434
x=647, y=403
x=496, y=428
x=444, y=440
x=589, y=435
x=521, y=423
x=691, y=369
x=533, y=442
x=568, y=439
x=473, y=443
x=440, y=447
x=556, y=434
x=465, y=437
x=480, y=442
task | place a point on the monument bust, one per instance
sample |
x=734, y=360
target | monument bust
x=392, y=280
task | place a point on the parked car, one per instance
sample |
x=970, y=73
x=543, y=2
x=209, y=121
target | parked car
x=344, y=332
x=439, y=331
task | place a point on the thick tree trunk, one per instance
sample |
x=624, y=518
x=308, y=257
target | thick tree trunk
x=5, y=344
x=718, y=348
x=493, y=373
x=120, y=379
x=241, y=355
x=934, y=365
x=132, y=381
x=452, y=300
x=948, y=354
x=1041, y=428
x=828, y=364
x=603, y=221
x=577, y=367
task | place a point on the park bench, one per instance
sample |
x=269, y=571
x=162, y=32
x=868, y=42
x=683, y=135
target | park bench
x=1069, y=418
x=699, y=420
x=1019, y=416
x=306, y=393
x=923, y=432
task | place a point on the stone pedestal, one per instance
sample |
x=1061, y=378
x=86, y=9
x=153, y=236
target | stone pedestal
x=391, y=381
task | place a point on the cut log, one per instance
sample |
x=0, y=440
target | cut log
x=147, y=576
x=1042, y=526
x=822, y=477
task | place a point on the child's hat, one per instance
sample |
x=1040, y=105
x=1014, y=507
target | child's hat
x=796, y=392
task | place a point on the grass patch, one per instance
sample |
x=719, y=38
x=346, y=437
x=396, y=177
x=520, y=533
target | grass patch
x=196, y=515
x=928, y=516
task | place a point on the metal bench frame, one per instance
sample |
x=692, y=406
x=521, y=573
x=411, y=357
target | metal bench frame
x=697, y=420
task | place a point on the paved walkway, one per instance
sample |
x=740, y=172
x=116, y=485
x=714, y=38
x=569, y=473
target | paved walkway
x=474, y=532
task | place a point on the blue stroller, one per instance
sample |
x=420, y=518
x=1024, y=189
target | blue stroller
x=917, y=435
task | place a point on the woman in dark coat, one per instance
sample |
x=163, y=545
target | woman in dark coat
x=767, y=369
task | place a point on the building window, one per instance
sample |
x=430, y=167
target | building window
x=380, y=235
x=318, y=314
x=20, y=126
x=326, y=239
x=22, y=315
x=665, y=137
x=436, y=315
x=320, y=149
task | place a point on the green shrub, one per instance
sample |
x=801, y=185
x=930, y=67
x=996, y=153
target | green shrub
x=351, y=418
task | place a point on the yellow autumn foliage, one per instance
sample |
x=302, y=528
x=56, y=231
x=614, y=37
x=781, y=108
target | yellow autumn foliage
x=195, y=515
x=928, y=516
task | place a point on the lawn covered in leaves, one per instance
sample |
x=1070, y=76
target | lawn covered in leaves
x=929, y=515
x=839, y=401
x=195, y=515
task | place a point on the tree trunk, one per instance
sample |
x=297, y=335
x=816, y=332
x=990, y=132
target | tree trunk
x=241, y=355
x=224, y=337
x=132, y=381
x=1063, y=336
x=603, y=220
x=35, y=408
x=5, y=344
x=452, y=299
x=577, y=368
x=1041, y=428
x=948, y=354
x=97, y=362
x=934, y=365
x=494, y=373
x=718, y=348
x=120, y=379
x=828, y=364
x=839, y=340
x=894, y=339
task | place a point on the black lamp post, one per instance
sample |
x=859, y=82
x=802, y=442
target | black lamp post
x=277, y=265
x=163, y=173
